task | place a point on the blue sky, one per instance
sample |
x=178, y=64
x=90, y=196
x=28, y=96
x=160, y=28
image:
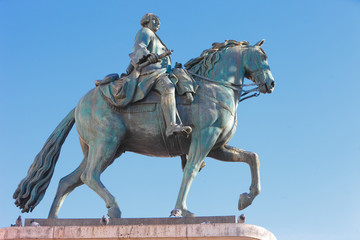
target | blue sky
x=306, y=133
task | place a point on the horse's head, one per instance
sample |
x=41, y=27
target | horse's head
x=257, y=69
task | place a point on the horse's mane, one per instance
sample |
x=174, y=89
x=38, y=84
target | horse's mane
x=208, y=58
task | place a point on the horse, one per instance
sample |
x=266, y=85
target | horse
x=105, y=132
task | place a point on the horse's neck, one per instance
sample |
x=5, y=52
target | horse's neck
x=230, y=67
x=219, y=93
x=230, y=70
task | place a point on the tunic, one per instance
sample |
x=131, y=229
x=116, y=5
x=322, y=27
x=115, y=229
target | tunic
x=146, y=42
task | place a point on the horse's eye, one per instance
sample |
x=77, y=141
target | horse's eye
x=263, y=55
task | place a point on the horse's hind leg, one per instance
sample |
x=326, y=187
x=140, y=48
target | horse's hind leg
x=68, y=183
x=231, y=154
x=100, y=156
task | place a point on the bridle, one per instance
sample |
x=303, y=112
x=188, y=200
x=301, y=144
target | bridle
x=236, y=87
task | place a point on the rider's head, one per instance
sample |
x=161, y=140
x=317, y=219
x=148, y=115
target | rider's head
x=150, y=21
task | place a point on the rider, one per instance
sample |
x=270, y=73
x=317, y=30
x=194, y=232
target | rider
x=148, y=47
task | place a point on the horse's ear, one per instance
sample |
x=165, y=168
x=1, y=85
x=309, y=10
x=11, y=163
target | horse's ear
x=260, y=43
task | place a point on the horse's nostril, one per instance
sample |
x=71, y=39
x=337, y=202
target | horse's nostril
x=273, y=84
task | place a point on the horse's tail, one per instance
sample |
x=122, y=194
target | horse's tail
x=32, y=188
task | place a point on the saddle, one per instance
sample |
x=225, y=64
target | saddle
x=119, y=91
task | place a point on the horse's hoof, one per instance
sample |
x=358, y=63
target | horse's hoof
x=244, y=201
x=114, y=212
x=187, y=213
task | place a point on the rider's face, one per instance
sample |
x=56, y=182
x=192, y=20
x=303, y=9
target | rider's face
x=154, y=24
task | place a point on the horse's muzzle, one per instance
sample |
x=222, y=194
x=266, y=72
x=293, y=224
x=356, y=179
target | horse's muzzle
x=271, y=86
x=269, y=82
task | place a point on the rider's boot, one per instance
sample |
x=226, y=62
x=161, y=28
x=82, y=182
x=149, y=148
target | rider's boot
x=168, y=106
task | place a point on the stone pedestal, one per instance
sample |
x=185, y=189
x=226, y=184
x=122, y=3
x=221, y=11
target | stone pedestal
x=178, y=231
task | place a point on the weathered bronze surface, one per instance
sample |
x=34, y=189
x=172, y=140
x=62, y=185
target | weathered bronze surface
x=142, y=125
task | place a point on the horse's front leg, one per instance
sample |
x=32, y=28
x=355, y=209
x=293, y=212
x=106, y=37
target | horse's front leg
x=231, y=154
x=201, y=144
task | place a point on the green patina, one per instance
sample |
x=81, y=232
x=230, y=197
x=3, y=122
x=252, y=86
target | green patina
x=107, y=131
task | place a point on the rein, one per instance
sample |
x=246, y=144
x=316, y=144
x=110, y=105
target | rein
x=235, y=87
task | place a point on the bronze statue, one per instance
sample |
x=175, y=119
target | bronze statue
x=108, y=127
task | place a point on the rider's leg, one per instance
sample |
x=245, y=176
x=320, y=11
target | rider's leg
x=168, y=106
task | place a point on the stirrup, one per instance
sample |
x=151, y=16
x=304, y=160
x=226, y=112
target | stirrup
x=175, y=129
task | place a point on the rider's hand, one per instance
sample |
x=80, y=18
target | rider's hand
x=189, y=98
x=153, y=58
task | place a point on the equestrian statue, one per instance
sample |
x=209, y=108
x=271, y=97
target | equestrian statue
x=156, y=110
